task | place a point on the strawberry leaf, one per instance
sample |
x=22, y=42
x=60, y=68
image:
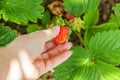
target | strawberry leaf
x=91, y=64
x=21, y=11
x=100, y=28
x=32, y=28
x=106, y=44
x=91, y=18
x=6, y=35
x=78, y=7
x=71, y=66
x=46, y=18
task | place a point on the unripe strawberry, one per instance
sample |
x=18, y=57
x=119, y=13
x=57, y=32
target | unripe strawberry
x=62, y=36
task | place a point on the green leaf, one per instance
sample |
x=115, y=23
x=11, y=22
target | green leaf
x=70, y=67
x=97, y=63
x=100, y=28
x=33, y=28
x=0, y=16
x=107, y=71
x=46, y=18
x=91, y=18
x=80, y=67
x=21, y=11
x=110, y=59
x=106, y=44
x=116, y=16
x=78, y=7
x=6, y=35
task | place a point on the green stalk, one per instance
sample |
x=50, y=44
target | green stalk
x=81, y=39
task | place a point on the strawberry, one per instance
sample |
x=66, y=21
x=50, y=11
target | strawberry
x=68, y=16
x=62, y=36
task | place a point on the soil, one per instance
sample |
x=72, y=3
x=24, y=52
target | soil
x=105, y=9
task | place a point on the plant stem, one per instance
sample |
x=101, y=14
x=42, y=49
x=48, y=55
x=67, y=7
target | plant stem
x=81, y=39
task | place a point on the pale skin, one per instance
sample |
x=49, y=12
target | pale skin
x=30, y=56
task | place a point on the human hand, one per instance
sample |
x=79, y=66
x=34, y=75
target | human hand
x=34, y=43
x=30, y=64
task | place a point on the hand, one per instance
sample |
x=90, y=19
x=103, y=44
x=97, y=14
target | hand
x=34, y=55
x=34, y=43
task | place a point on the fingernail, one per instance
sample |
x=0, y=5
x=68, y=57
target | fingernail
x=68, y=45
x=56, y=28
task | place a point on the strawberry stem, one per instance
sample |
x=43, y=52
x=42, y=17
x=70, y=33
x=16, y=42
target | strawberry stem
x=81, y=39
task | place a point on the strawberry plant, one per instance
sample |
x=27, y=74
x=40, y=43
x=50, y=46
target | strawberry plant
x=96, y=50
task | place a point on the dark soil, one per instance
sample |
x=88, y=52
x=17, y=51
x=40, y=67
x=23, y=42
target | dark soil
x=105, y=9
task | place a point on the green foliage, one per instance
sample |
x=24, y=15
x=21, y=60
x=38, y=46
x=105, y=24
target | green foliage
x=33, y=28
x=6, y=35
x=97, y=55
x=100, y=28
x=77, y=25
x=116, y=16
x=78, y=7
x=91, y=18
x=0, y=16
x=21, y=11
x=46, y=18
x=106, y=44
x=97, y=63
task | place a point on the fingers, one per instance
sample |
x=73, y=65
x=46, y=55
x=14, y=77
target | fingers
x=59, y=49
x=60, y=58
x=55, y=54
x=49, y=46
x=52, y=58
x=52, y=61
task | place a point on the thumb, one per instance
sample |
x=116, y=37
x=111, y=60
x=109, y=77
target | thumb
x=50, y=33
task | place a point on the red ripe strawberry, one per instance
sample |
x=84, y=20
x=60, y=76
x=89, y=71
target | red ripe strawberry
x=68, y=16
x=62, y=36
